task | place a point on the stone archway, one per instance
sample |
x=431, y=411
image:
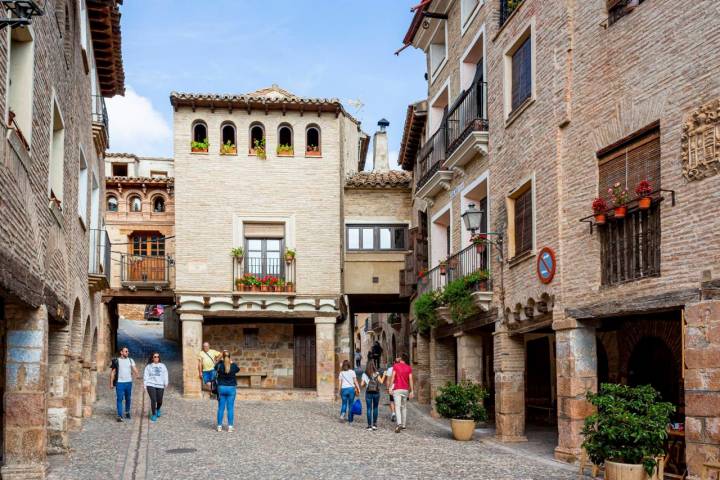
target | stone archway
x=75, y=370
x=652, y=363
x=58, y=382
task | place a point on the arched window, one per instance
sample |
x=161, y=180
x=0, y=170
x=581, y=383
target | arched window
x=229, y=139
x=199, y=137
x=312, y=141
x=257, y=140
x=285, y=140
x=112, y=203
x=135, y=204
x=158, y=204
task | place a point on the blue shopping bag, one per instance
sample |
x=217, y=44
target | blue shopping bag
x=357, y=407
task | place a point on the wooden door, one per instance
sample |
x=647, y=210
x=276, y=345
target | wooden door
x=147, y=263
x=304, y=357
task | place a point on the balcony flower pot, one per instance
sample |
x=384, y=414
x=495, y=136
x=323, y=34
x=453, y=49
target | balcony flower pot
x=238, y=284
x=644, y=203
x=600, y=218
x=247, y=288
x=621, y=211
x=599, y=207
x=264, y=288
x=289, y=287
x=443, y=268
x=643, y=191
x=198, y=149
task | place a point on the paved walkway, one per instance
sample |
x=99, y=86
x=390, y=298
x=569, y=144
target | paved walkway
x=273, y=440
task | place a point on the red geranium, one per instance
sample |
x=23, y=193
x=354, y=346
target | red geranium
x=599, y=205
x=643, y=189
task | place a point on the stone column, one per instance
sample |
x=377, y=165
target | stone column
x=509, y=353
x=576, y=353
x=89, y=379
x=192, y=339
x=422, y=370
x=74, y=398
x=325, y=358
x=442, y=365
x=702, y=385
x=104, y=351
x=58, y=389
x=470, y=357
x=25, y=442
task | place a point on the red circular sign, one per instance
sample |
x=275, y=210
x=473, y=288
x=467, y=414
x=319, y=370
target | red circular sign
x=546, y=265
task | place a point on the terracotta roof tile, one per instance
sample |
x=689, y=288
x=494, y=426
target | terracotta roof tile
x=389, y=179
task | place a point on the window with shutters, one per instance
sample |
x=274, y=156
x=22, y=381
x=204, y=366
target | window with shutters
x=630, y=246
x=519, y=74
x=520, y=210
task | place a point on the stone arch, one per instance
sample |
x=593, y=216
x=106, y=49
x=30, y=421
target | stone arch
x=76, y=329
x=87, y=343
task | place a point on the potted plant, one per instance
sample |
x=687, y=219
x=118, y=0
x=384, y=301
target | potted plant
x=643, y=191
x=479, y=240
x=425, y=311
x=237, y=253
x=228, y=148
x=285, y=150
x=264, y=283
x=280, y=286
x=239, y=284
x=259, y=149
x=628, y=431
x=599, y=207
x=457, y=295
x=289, y=255
x=620, y=199
x=289, y=286
x=478, y=281
x=422, y=275
x=443, y=267
x=272, y=282
x=312, y=151
x=463, y=404
x=196, y=147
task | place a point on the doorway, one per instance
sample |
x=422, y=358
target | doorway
x=304, y=373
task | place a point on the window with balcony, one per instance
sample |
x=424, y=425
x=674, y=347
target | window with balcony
x=264, y=256
x=521, y=228
x=630, y=245
x=376, y=237
x=20, y=82
x=57, y=157
x=312, y=141
x=149, y=244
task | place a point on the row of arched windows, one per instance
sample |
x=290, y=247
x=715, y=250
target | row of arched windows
x=135, y=204
x=256, y=139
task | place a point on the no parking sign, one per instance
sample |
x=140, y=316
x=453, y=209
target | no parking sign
x=546, y=265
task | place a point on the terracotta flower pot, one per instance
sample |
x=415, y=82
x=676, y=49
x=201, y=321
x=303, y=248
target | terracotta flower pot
x=620, y=212
x=480, y=247
x=644, y=203
x=462, y=430
x=443, y=269
x=255, y=288
x=264, y=288
x=600, y=218
x=289, y=258
x=290, y=287
x=198, y=150
x=627, y=471
x=246, y=288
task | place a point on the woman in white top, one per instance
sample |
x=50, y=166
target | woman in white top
x=348, y=389
x=155, y=379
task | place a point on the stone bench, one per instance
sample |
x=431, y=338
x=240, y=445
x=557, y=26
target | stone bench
x=255, y=378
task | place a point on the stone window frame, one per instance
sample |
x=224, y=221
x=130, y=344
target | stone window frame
x=251, y=146
x=108, y=198
x=447, y=208
x=434, y=73
x=155, y=198
x=286, y=125
x=195, y=124
x=526, y=184
x=525, y=33
x=130, y=200
x=313, y=126
x=83, y=185
x=467, y=17
x=23, y=123
x=223, y=126
x=56, y=152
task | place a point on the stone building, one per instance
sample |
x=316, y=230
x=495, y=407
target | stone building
x=578, y=96
x=275, y=175
x=140, y=221
x=56, y=70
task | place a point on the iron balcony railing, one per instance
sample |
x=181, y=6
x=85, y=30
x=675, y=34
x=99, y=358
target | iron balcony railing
x=619, y=8
x=469, y=260
x=99, y=255
x=276, y=273
x=507, y=7
x=99, y=112
x=467, y=115
x=431, y=157
x=144, y=269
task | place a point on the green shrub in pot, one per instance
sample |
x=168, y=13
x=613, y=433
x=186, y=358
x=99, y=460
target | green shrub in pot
x=462, y=401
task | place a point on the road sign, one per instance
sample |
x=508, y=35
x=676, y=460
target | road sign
x=546, y=265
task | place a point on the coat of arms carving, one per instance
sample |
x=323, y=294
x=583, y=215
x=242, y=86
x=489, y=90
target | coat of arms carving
x=701, y=142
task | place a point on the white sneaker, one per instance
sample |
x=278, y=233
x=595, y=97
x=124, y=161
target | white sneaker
x=219, y=428
x=231, y=429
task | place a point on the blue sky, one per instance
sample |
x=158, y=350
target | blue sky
x=314, y=48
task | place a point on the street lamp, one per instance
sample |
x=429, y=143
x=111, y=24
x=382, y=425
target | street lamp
x=473, y=217
x=19, y=13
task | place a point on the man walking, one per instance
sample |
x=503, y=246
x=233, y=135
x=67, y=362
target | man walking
x=207, y=358
x=377, y=354
x=402, y=385
x=122, y=373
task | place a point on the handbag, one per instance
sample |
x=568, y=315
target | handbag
x=357, y=407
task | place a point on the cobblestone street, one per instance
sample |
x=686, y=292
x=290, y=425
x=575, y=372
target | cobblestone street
x=273, y=440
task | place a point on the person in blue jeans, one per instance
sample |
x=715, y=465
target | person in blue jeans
x=348, y=389
x=372, y=380
x=122, y=373
x=227, y=389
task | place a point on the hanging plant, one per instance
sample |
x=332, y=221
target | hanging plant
x=643, y=191
x=599, y=207
x=620, y=199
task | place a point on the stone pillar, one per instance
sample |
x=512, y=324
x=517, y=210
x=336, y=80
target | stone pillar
x=58, y=389
x=576, y=353
x=74, y=398
x=192, y=339
x=25, y=442
x=509, y=353
x=702, y=385
x=442, y=365
x=89, y=379
x=104, y=349
x=422, y=369
x=325, y=358
x=470, y=357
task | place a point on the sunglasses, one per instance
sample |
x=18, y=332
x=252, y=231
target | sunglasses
x=156, y=356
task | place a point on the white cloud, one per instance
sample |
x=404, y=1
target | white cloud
x=136, y=127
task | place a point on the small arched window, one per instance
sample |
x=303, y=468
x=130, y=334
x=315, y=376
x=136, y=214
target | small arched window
x=312, y=141
x=135, y=204
x=158, y=204
x=112, y=203
x=257, y=140
x=199, y=137
x=285, y=140
x=229, y=139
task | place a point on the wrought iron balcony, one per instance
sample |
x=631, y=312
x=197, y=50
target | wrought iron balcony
x=431, y=157
x=263, y=274
x=469, y=260
x=507, y=7
x=142, y=271
x=467, y=115
x=100, y=123
x=619, y=8
x=99, y=260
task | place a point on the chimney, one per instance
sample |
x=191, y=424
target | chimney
x=381, y=162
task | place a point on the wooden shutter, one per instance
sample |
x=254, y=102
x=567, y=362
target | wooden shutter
x=629, y=161
x=521, y=74
x=264, y=230
x=523, y=222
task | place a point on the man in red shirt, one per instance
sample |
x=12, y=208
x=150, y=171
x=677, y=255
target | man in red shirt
x=402, y=382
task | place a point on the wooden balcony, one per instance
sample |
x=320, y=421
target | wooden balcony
x=144, y=272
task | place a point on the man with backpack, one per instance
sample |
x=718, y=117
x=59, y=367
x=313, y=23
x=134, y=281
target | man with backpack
x=376, y=351
x=207, y=359
x=122, y=373
x=372, y=380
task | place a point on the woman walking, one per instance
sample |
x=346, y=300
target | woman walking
x=227, y=389
x=155, y=379
x=348, y=389
x=372, y=380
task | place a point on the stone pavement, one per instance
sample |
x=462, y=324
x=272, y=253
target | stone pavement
x=274, y=440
